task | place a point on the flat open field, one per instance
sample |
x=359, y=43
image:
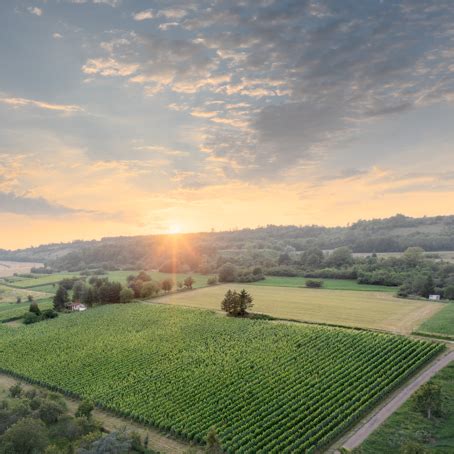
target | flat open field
x=328, y=284
x=42, y=279
x=437, y=435
x=14, y=310
x=266, y=387
x=440, y=323
x=10, y=294
x=339, y=307
x=9, y=268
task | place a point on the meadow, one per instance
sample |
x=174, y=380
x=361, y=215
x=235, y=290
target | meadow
x=42, y=279
x=329, y=284
x=9, y=294
x=441, y=323
x=266, y=387
x=11, y=311
x=407, y=423
x=374, y=310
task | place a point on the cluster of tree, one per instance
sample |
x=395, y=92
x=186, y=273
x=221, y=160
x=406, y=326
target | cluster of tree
x=38, y=422
x=230, y=273
x=96, y=291
x=35, y=314
x=41, y=270
x=143, y=286
x=236, y=303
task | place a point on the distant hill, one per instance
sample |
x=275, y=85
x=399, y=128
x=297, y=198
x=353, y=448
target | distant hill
x=392, y=234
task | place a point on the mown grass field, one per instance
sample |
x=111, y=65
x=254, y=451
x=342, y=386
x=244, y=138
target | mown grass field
x=328, y=284
x=374, y=310
x=440, y=323
x=42, y=279
x=274, y=388
x=437, y=435
x=9, y=294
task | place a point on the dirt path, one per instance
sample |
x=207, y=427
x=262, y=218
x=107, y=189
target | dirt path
x=365, y=428
x=157, y=441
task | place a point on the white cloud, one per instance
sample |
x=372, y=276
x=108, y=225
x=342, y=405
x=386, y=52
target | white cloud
x=35, y=10
x=143, y=15
x=24, y=102
x=108, y=67
x=57, y=35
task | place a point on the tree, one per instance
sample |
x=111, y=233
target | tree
x=236, y=304
x=18, y=300
x=113, y=443
x=212, y=280
x=149, y=289
x=49, y=411
x=189, y=282
x=213, y=444
x=79, y=288
x=449, y=292
x=85, y=408
x=413, y=255
x=34, y=308
x=341, y=256
x=89, y=296
x=15, y=390
x=429, y=287
x=27, y=436
x=126, y=295
x=428, y=399
x=31, y=317
x=227, y=273
x=312, y=257
x=30, y=298
x=60, y=299
x=167, y=285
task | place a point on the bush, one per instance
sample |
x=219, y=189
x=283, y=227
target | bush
x=312, y=283
x=227, y=273
x=212, y=280
x=126, y=295
x=49, y=313
x=15, y=390
x=31, y=317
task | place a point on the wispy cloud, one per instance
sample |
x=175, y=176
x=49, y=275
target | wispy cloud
x=24, y=102
x=143, y=15
x=35, y=10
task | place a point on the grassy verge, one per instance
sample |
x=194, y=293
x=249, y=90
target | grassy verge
x=437, y=435
x=440, y=324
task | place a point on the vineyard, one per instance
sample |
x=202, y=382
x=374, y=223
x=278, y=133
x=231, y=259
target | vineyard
x=266, y=387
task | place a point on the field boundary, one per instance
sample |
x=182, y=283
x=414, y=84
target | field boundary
x=378, y=415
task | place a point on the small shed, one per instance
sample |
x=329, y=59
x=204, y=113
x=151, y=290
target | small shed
x=434, y=297
x=77, y=307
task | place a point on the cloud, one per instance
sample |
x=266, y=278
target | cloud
x=144, y=15
x=24, y=102
x=35, y=10
x=57, y=35
x=32, y=206
x=108, y=67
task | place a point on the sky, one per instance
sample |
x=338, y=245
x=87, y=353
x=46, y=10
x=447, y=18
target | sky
x=126, y=117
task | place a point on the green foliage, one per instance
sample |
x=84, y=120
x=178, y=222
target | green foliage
x=449, y=292
x=85, y=408
x=150, y=289
x=212, y=280
x=49, y=411
x=189, y=282
x=428, y=399
x=60, y=299
x=34, y=308
x=171, y=362
x=413, y=447
x=312, y=283
x=213, y=444
x=31, y=317
x=27, y=436
x=126, y=295
x=227, y=273
x=167, y=285
x=15, y=390
x=236, y=303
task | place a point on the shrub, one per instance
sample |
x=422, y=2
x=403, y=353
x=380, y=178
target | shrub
x=312, y=283
x=212, y=280
x=31, y=317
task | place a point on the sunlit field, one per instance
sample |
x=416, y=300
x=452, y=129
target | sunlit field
x=375, y=310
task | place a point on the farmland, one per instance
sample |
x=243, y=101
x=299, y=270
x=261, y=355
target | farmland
x=10, y=311
x=8, y=268
x=441, y=323
x=329, y=284
x=9, y=294
x=340, y=307
x=283, y=388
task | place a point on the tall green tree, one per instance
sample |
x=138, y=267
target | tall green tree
x=428, y=399
x=60, y=299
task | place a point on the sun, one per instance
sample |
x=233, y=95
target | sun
x=174, y=229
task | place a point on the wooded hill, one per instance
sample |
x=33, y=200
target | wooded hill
x=393, y=234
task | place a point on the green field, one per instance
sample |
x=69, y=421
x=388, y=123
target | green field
x=440, y=323
x=42, y=279
x=275, y=388
x=329, y=284
x=10, y=311
x=375, y=310
x=406, y=423
x=10, y=294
